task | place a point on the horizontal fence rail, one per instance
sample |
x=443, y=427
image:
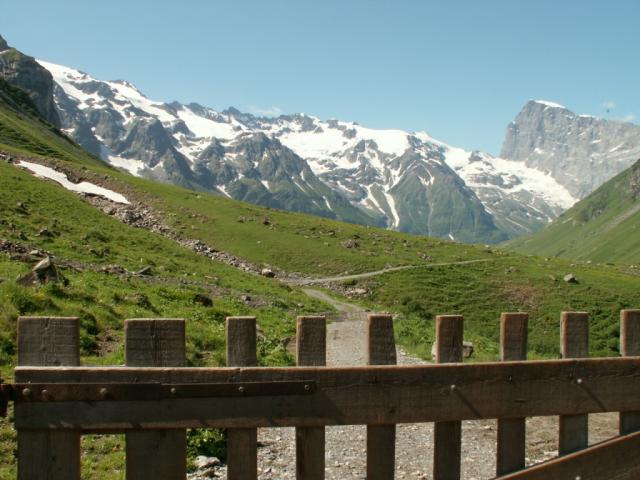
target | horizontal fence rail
x=341, y=395
x=154, y=398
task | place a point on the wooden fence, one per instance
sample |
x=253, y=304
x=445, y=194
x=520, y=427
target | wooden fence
x=154, y=398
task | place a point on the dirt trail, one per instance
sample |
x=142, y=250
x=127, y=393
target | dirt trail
x=340, y=306
x=357, y=276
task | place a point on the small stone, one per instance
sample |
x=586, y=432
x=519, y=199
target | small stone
x=202, y=461
x=570, y=278
x=267, y=272
x=201, y=299
x=350, y=243
x=144, y=271
x=43, y=272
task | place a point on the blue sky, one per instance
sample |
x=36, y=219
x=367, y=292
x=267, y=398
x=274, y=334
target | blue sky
x=460, y=70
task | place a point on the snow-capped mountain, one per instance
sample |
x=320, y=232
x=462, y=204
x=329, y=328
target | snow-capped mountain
x=580, y=151
x=402, y=180
x=406, y=181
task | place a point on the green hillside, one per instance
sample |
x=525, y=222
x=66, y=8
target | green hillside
x=86, y=242
x=604, y=227
x=293, y=244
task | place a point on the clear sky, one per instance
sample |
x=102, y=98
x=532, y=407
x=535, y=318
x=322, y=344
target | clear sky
x=458, y=69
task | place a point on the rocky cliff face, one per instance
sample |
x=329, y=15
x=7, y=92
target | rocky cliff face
x=24, y=72
x=581, y=152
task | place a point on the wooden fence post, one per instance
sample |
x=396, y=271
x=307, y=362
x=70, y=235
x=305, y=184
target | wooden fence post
x=629, y=347
x=311, y=351
x=381, y=439
x=448, y=435
x=242, y=443
x=47, y=454
x=157, y=454
x=574, y=343
x=511, y=431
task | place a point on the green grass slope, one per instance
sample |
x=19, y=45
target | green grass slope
x=603, y=227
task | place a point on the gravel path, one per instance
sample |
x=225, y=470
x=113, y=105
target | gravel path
x=346, y=446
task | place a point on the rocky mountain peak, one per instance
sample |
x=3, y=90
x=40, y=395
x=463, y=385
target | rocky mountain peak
x=579, y=151
x=24, y=72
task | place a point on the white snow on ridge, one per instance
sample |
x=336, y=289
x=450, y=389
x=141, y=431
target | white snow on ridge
x=64, y=76
x=135, y=167
x=393, y=142
x=126, y=94
x=205, y=127
x=131, y=94
x=547, y=103
x=82, y=187
x=530, y=179
x=326, y=143
x=394, y=211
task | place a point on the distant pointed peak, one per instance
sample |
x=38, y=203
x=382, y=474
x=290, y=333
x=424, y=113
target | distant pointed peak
x=3, y=44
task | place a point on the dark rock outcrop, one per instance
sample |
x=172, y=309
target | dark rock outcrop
x=24, y=72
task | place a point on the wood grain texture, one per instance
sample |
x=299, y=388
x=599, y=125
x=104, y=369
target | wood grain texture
x=381, y=439
x=155, y=343
x=610, y=460
x=629, y=346
x=242, y=443
x=510, y=453
x=375, y=395
x=311, y=350
x=46, y=454
x=574, y=343
x=49, y=341
x=447, y=436
x=241, y=341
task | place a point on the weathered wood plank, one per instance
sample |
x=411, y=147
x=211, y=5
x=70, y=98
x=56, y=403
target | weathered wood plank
x=348, y=395
x=311, y=341
x=447, y=436
x=381, y=439
x=574, y=343
x=242, y=443
x=511, y=431
x=52, y=455
x=151, y=342
x=614, y=459
x=629, y=347
x=311, y=350
x=155, y=343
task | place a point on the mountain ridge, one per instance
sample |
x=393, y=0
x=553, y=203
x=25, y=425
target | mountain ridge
x=407, y=181
x=380, y=177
